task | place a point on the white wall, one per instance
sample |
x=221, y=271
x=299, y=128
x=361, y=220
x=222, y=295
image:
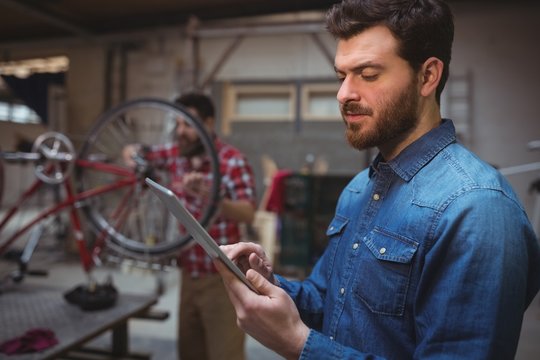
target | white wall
x=499, y=45
x=152, y=69
x=85, y=89
x=270, y=57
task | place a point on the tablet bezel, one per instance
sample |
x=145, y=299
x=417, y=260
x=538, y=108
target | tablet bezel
x=199, y=234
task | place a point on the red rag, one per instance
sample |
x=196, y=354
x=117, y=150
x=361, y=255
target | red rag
x=33, y=340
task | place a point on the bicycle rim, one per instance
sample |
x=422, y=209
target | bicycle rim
x=1, y=179
x=128, y=216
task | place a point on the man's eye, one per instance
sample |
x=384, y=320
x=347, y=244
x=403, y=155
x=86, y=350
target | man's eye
x=370, y=77
x=340, y=77
x=180, y=122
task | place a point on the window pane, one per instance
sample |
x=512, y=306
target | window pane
x=19, y=113
x=263, y=104
x=4, y=111
x=319, y=101
x=323, y=104
x=23, y=114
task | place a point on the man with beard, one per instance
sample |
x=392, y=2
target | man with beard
x=207, y=321
x=430, y=253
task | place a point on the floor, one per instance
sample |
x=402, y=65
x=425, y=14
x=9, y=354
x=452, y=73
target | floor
x=159, y=337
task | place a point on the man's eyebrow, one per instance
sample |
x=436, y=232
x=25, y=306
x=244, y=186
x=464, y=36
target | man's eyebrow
x=360, y=67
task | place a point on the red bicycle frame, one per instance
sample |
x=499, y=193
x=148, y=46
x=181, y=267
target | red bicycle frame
x=88, y=255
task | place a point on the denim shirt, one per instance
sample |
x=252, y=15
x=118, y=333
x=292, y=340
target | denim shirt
x=430, y=255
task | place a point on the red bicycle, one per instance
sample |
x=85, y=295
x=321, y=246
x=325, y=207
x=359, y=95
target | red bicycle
x=127, y=222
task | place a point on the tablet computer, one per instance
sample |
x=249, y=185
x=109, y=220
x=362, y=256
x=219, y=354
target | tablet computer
x=201, y=236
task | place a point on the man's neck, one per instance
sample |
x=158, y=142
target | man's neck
x=430, y=118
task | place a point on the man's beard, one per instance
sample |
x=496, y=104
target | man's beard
x=192, y=149
x=398, y=116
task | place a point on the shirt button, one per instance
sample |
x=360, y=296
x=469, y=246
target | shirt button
x=331, y=338
x=355, y=246
x=331, y=228
x=382, y=251
x=376, y=197
x=342, y=291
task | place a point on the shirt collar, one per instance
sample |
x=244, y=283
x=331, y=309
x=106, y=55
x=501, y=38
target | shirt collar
x=419, y=153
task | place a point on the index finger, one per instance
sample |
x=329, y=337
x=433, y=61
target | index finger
x=239, y=250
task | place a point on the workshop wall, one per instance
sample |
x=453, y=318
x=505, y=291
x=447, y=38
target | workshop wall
x=498, y=46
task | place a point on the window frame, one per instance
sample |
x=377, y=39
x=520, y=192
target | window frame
x=233, y=92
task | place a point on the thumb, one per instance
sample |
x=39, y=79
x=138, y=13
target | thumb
x=260, y=283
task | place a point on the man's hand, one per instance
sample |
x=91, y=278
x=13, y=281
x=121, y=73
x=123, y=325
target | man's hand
x=247, y=256
x=128, y=154
x=271, y=317
x=195, y=184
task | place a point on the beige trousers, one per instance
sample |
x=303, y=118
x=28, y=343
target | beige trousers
x=207, y=321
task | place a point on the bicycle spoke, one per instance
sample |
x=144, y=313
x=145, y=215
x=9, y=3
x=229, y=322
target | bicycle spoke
x=136, y=224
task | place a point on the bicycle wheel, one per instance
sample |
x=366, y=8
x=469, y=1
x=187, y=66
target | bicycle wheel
x=118, y=203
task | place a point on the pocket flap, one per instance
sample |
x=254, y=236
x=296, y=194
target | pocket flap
x=337, y=225
x=385, y=245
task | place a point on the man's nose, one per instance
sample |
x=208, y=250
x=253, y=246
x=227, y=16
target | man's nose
x=348, y=91
x=181, y=128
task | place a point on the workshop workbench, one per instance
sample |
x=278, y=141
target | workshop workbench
x=28, y=306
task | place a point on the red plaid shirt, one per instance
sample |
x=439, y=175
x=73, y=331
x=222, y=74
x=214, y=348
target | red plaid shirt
x=237, y=183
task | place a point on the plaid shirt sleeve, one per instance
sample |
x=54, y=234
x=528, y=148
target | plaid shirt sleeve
x=237, y=177
x=162, y=155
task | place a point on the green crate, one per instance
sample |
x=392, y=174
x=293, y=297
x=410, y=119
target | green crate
x=295, y=236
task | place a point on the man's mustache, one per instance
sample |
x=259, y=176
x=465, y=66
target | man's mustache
x=355, y=108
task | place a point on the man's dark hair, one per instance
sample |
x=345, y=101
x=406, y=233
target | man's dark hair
x=423, y=28
x=200, y=102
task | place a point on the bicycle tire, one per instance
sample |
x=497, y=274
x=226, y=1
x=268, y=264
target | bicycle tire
x=120, y=126
x=1, y=178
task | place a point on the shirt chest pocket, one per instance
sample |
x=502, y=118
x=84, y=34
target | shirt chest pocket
x=384, y=272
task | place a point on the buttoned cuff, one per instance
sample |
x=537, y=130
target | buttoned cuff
x=319, y=346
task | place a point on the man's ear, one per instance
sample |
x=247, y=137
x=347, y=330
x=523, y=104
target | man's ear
x=431, y=74
x=209, y=123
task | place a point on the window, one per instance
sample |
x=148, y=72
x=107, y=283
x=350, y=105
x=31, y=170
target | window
x=13, y=109
x=252, y=102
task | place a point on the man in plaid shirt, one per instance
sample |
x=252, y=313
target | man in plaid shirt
x=207, y=321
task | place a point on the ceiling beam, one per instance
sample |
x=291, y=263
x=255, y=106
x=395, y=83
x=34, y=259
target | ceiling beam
x=49, y=18
x=274, y=29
